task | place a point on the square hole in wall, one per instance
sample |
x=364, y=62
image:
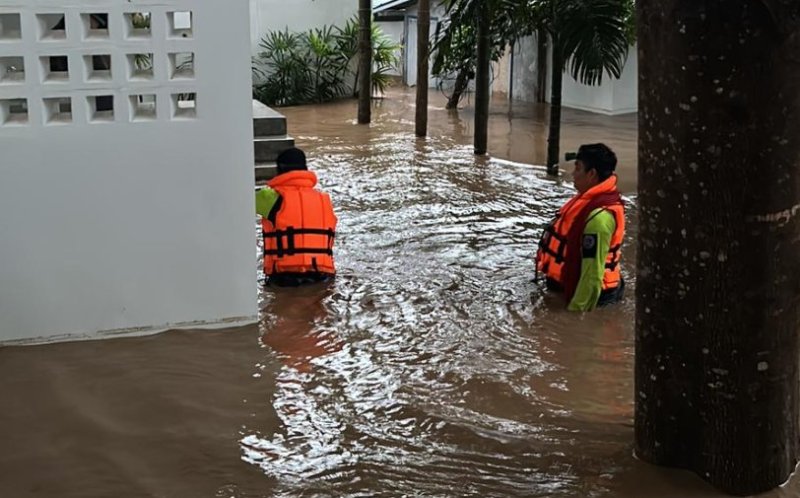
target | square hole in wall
x=58, y=110
x=13, y=111
x=98, y=67
x=95, y=26
x=140, y=66
x=55, y=68
x=184, y=105
x=52, y=26
x=137, y=25
x=143, y=107
x=101, y=108
x=181, y=65
x=12, y=70
x=179, y=24
x=10, y=28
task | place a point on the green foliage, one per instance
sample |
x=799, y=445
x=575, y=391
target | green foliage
x=384, y=58
x=141, y=20
x=456, y=38
x=316, y=66
x=593, y=35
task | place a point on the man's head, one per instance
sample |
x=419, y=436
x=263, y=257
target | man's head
x=594, y=163
x=292, y=159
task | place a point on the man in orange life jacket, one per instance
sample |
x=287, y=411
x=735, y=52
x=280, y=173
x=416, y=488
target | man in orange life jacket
x=579, y=252
x=298, y=224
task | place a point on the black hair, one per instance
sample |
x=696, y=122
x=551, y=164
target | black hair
x=292, y=159
x=599, y=158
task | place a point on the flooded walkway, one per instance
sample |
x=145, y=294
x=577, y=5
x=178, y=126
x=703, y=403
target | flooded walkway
x=431, y=366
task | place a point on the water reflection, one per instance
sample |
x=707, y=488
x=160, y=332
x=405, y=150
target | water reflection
x=293, y=325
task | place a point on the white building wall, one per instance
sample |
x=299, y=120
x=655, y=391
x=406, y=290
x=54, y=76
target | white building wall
x=404, y=33
x=626, y=89
x=395, y=31
x=134, y=221
x=296, y=15
x=501, y=74
x=613, y=96
x=523, y=77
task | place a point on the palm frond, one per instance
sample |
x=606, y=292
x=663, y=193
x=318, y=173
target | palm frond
x=593, y=36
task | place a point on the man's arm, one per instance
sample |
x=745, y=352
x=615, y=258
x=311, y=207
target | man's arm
x=596, y=242
x=265, y=200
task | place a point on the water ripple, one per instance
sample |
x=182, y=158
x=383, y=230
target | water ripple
x=451, y=372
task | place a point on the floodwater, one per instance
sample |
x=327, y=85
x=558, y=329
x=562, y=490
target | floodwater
x=431, y=366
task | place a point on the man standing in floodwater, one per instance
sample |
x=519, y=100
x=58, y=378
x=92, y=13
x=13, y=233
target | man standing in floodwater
x=580, y=250
x=298, y=224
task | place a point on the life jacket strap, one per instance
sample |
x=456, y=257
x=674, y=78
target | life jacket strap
x=290, y=248
x=298, y=250
x=614, y=251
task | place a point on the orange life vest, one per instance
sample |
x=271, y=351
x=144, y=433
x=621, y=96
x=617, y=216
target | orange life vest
x=559, y=253
x=301, y=238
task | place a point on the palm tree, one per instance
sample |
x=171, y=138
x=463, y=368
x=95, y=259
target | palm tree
x=423, y=34
x=588, y=38
x=365, y=61
x=482, y=82
x=490, y=25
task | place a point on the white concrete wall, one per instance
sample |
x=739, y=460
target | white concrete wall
x=524, y=81
x=395, y=31
x=123, y=223
x=613, y=96
x=296, y=15
x=410, y=49
x=501, y=74
x=626, y=89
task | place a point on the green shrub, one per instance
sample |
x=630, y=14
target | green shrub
x=316, y=66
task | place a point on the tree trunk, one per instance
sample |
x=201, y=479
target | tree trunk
x=423, y=34
x=718, y=286
x=482, y=83
x=541, y=66
x=365, y=61
x=462, y=82
x=554, y=131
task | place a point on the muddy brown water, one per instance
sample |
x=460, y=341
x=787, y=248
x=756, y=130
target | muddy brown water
x=431, y=366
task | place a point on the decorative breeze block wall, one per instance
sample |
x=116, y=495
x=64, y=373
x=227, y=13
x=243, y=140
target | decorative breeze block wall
x=125, y=166
x=101, y=61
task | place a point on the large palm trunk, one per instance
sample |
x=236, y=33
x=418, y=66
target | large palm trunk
x=482, y=83
x=365, y=61
x=718, y=286
x=554, y=131
x=423, y=34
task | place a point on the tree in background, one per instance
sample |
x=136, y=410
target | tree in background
x=365, y=61
x=423, y=35
x=588, y=38
x=482, y=81
x=455, y=53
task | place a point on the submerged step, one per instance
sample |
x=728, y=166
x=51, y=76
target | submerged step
x=267, y=149
x=266, y=121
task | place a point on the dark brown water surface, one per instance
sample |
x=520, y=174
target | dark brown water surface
x=431, y=366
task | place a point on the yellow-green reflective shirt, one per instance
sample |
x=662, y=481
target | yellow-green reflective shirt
x=265, y=200
x=599, y=228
